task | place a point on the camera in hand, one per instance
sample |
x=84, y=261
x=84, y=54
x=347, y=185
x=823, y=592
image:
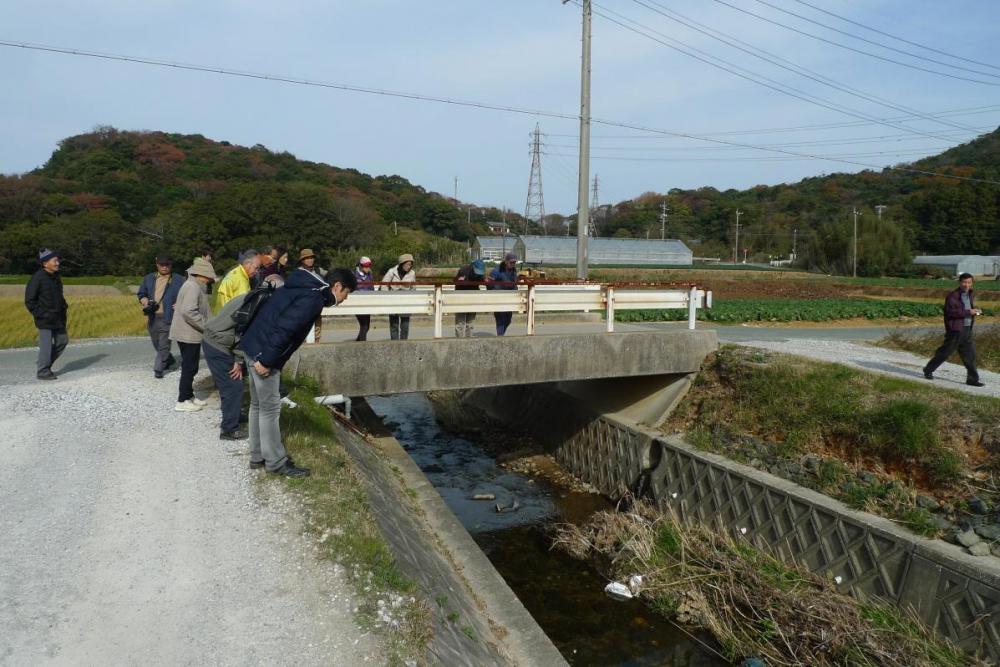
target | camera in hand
x=150, y=307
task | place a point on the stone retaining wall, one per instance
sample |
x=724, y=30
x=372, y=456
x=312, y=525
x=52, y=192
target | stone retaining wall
x=953, y=592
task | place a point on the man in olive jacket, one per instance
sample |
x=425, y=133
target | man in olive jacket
x=960, y=313
x=43, y=298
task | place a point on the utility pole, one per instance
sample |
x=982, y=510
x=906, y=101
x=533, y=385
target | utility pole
x=878, y=210
x=595, y=205
x=582, y=211
x=736, y=248
x=855, y=271
x=456, y=189
x=795, y=234
x=664, y=211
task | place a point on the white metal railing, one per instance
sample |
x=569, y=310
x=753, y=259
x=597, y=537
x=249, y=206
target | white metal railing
x=436, y=301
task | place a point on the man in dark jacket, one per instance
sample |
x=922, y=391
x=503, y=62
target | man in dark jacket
x=959, y=314
x=469, y=277
x=43, y=298
x=504, y=276
x=275, y=333
x=157, y=294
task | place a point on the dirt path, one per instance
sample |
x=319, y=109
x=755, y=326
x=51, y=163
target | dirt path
x=880, y=360
x=132, y=535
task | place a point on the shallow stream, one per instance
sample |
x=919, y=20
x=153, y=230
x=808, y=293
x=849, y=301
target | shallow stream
x=565, y=596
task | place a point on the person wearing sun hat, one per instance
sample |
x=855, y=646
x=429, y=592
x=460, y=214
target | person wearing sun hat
x=191, y=313
x=363, y=274
x=402, y=272
x=43, y=297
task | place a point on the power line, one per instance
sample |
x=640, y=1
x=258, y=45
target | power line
x=873, y=42
x=466, y=103
x=749, y=75
x=783, y=63
x=851, y=48
x=899, y=39
x=757, y=159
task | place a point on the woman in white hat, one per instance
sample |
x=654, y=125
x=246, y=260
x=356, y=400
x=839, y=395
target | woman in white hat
x=363, y=274
x=402, y=272
x=191, y=313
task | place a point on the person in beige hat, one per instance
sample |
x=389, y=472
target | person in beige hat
x=191, y=313
x=402, y=272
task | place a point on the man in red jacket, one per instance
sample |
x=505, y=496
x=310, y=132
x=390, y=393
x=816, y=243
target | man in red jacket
x=959, y=314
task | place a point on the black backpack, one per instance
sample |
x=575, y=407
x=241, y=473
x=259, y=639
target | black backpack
x=251, y=305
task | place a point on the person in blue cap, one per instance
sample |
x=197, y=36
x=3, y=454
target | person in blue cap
x=469, y=277
x=504, y=276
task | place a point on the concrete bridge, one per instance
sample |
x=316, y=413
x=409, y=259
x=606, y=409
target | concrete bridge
x=642, y=373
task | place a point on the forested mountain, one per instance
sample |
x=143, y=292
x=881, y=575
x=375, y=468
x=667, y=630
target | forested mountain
x=109, y=200
x=922, y=214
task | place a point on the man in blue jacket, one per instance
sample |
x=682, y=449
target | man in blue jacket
x=157, y=294
x=275, y=333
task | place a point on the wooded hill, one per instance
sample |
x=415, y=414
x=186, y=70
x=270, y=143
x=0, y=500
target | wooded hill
x=923, y=214
x=110, y=200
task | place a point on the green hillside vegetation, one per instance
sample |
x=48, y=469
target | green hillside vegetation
x=109, y=200
x=923, y=215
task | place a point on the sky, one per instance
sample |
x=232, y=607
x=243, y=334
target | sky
x=513, y=53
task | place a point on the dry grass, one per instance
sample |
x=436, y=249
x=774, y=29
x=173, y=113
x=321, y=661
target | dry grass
x=89, y=317
x=754, y=604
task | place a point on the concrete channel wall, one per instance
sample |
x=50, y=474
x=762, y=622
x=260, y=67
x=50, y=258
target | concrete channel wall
x=953, y=592
x=477, y=619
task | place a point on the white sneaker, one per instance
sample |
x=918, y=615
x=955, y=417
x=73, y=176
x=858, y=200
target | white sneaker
x=200, y=403
x=187, y=406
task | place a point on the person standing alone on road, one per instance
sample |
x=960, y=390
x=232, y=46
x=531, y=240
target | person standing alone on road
x=504, y=276
x=399, y=325
x=43, y=297
x=960, y=313
x=275, y=333
x=157, y=295
x=363, y=274
x=191, y=313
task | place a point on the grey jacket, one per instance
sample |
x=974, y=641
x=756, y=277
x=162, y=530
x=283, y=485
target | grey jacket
x=220, y=331
x=191, y=312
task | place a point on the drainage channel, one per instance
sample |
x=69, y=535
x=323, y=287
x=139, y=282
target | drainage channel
x=565, y=596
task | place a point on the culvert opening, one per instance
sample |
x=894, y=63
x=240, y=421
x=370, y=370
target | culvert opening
x=466, y=456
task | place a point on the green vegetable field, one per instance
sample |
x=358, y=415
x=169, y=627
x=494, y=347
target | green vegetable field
x=790, y=310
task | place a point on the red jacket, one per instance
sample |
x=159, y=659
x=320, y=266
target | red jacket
x=954, y=310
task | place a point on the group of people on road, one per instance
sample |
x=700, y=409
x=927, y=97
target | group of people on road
x=263, y=312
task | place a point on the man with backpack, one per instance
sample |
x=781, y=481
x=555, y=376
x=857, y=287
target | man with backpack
x=276, y=331
x=224, y=358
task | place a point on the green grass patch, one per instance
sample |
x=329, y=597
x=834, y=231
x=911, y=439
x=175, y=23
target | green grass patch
x=339, y=517
x=89, y=317
x=790, y=310
x=925, y=344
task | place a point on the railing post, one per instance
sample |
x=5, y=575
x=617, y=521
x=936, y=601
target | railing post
x=531, y=310
x=438, y=312
x=692, y=307
x=609, y=301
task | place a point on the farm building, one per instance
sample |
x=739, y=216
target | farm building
x=493, y=248
x=550, y=250
x=977, y=265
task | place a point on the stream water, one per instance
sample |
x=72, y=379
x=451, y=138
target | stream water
x=565, y=596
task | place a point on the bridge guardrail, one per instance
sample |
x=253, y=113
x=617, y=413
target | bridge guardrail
x=436, y=301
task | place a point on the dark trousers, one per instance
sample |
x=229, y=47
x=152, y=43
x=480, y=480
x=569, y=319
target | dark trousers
x=399, y=327
x=364, y=323
x=51, y=343
x=190, y=356
x=961, y=341
x=503, y=321
x=230, y=391
x=159, y=335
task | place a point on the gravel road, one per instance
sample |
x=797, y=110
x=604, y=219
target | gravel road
x=130, y=535
x=880, y=360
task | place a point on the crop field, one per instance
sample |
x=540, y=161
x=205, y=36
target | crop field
x=791, y=310
x=89, y=317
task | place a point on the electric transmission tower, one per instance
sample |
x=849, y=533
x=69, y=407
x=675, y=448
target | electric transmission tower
x=534, y=207
x=595, y=204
